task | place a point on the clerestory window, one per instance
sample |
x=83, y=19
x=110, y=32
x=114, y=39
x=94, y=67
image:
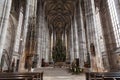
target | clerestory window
x=115, y=21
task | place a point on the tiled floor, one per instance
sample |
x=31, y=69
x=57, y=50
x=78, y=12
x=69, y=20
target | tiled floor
x=59, y=74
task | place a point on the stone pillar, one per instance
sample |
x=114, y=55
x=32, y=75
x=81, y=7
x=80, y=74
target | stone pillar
x=109, y=38
x=66, y=45
x=43, y=39
x=3, y=6
x=18, y=33
x=64, y=37
x=39, y=33
x=81, y=34
x=4, y=26
x=46, y=38
x=90, y=28
x=24, y=35
x=76, y=40
x=47, y=44
x=69, y=45
x=50, y=46
x=54, y=37
x=18, y=39
x=72, y=55
x=101, y=50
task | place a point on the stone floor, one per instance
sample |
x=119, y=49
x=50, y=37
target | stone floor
x=59, y=74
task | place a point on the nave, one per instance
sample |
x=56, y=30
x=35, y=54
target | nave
x=80, y=35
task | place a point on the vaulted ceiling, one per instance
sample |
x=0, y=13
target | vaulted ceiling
x=59, y=14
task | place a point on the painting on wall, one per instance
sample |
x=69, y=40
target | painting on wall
x=92, y=49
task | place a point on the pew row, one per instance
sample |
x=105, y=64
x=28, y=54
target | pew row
x=103, y=76
x=22, y=76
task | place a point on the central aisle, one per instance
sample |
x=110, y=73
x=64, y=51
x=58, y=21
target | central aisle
x=59, y=74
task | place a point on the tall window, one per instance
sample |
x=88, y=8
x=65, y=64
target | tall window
x=115, y=21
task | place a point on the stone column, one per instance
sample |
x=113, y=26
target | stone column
x=3, y=6
x=51, y=59
x=72, y=55
x=43, y=40
x=54, y=38
x=90, y=30
x=4, y=26
x=39, y=33
x=81, y=34
x=66, y=37
x=66, y=45
x=63, y=37
x=109, y=38
x=47, y=44
x=18, y=33
x=46, y=39
x=51, y=47
x=76, y=40
x=39, y=41
x=90, y=39
x=39, y=46
x=24, y=35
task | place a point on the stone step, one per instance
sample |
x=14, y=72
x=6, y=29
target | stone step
x=51, y=73
x=74, y=77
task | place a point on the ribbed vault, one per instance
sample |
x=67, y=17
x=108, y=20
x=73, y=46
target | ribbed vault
x=58, y=15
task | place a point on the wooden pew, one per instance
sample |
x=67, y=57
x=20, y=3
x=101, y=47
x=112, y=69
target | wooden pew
x=22, y=76
x=16, y=78
x=103, y=76
x=111, y=76
x=94, y=76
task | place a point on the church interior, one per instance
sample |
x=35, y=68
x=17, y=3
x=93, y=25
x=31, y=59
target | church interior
x=81, y=36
